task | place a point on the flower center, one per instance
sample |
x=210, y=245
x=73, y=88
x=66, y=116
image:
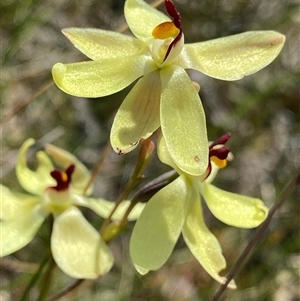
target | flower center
x=58, y=198
x=218, y=153
x=169, y=38
x=62, y=179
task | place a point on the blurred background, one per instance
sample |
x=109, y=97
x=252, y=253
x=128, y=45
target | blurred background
x=261, y=112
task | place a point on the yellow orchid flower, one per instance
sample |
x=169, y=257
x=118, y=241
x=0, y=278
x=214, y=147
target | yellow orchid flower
x=76, y=246
x=176, y=209
x=164, y=94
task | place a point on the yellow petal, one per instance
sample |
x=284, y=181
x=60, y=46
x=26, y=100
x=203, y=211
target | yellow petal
x=164, y=155
x=213, y=173
x=18, y=231
x=233, y=57
x=203, y=244
x=103, y=207
x=183, y=121
x=101, y=78
x=34, y=181
x=77, y=247
x=98, y=44
x=142, y=18
x=138, y=115
x=13, y=204
x=64, y=159
x=159, y=226
x=234, y=209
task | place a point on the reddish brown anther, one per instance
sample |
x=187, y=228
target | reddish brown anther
x=218, y=153
x=173, y=12
x=222, y=140
x=175, y=15
x=221, y=153
x=62, y=179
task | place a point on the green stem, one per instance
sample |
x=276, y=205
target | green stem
x=45, y=286
x=294, y=183
x=147, y=191
x=130, y=185
x=145, y=152
x=97, y=167
x=35, y=277
x=67, y=290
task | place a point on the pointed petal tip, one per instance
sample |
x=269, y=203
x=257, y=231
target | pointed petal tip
x=57, y=72
x=65, y=31
x=124, y=149
x=234, y=209
x=233, y=57
x=54, y=152
x=223, y=281
x=262, y=212
x=26, y=144
x=231, y=284
x=141, y=270
x=280, y=39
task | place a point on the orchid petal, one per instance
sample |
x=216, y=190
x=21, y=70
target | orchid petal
x=164, y=155
x=64, y=159
x=213, y=172
x=34, y=181
x=134, y=213
x=142, y=18
x=77, y=247
x=98, y=44
x=233, y=57
x=103, y=207
x=18, y=231
x=183, y=121
x=13, y=204
x=158, y=228
x=234, y=209
x=138, y=115
x=202, y=243
x=101, y=78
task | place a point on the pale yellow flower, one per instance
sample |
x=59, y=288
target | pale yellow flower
x=176, y=209
x=76, y=246
x=164, y=94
